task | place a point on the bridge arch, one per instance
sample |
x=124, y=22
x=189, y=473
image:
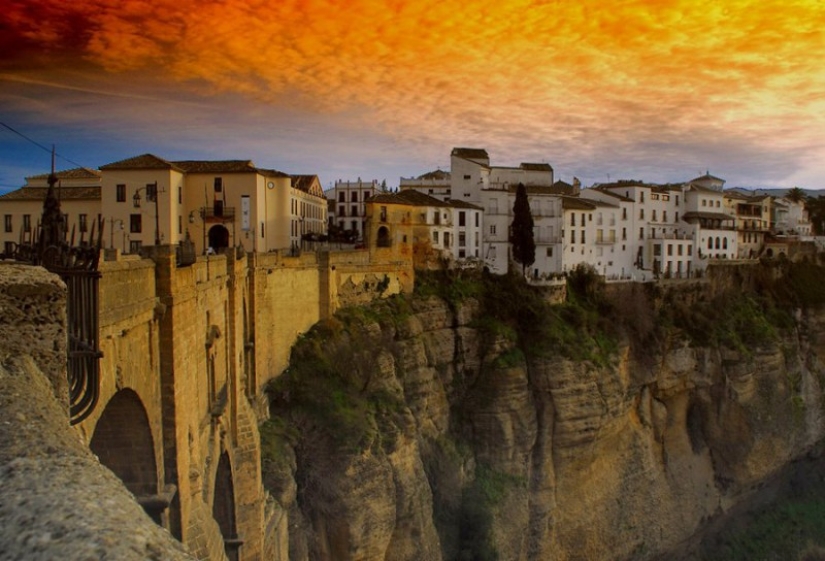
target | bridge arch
x=123, y=442
x=223, y=507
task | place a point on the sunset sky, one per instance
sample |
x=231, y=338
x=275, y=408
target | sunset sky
x=652, y=90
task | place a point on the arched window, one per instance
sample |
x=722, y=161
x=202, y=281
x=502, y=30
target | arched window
x=717, y=242
x=724, y=243
x=710, y=243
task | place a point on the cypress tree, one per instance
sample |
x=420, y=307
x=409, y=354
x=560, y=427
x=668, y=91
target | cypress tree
x=521, y=230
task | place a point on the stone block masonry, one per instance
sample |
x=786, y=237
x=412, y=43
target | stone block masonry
x=187, y=355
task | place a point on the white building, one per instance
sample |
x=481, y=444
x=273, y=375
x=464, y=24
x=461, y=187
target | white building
x=349, y=210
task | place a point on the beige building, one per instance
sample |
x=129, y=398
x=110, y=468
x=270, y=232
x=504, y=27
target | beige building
x=753, y=218
x=147, y=200
x=217, y=204
x=79, y=193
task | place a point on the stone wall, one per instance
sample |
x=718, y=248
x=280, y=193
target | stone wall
x=187, y=353
x=33, y=321
x=56, y=500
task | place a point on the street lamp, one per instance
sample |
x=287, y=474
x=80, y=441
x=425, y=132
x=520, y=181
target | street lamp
x=152, y=196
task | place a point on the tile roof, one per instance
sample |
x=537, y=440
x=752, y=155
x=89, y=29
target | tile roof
x=470, y=153
x=409, y=197
x=75, y=173
x=303, y=182
x=436, y=174
x=216, y=166
x=706, y=177
x=576, y=203
x=64, y=193
x=536, y=167
x=613, y=194
x=463, y=204
x=271, y=172
x=144, y=161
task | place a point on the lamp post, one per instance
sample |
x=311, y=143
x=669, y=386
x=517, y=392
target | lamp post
x=152, y=196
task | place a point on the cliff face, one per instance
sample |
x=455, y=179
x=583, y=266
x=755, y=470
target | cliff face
x=449, y=444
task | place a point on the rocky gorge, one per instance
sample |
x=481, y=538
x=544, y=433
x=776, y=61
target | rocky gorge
x=485, y=419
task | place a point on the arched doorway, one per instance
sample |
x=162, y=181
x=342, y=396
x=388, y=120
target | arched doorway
x=218, y=237
x=123, y=442
x=383, y=237
x=223, y=507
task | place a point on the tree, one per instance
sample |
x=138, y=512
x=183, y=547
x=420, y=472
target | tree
x=521, y=230
x=796, y=195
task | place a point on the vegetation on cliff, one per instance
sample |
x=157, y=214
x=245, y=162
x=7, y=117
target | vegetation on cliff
x=347, y=396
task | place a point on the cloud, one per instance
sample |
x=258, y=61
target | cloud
x=586, y=79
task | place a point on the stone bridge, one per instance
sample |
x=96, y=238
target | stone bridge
x=187, y=353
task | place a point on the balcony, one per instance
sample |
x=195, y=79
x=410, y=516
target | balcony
x=218, y=213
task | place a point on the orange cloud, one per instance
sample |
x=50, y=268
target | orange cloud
x=592, y=72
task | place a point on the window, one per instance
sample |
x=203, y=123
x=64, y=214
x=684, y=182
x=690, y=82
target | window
x=7, y=223
x=341, y=210
x=180, y=195
x=679, y=249
x=354, y=210
x=134, y=246
x=572, y=236
x=218, y=184
x=83, y=222
x=462, y=218
x=641, y=233
x=641, y=196
x=151, y=191
x=27, y=223
x=120, y=192
x=462, y=239
x=135, y=224
x=654, y=215
x=583, y=219
x=435, y=237
x=342, y=197
x=583, y=240
x=8, y=248
x=670, y=250
x=677, y=217
x=466, y=177
x=641, y=214
x=677, y=200
x=493, y=229
x=624, y=234
x=572, y=218
x=383, y=216
x=549, y=252
x=446, y=239
x=354, y=197
x=180, y=224
x=624, y=213
x=664, y=216
x=657, y=250
x=476, y=215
